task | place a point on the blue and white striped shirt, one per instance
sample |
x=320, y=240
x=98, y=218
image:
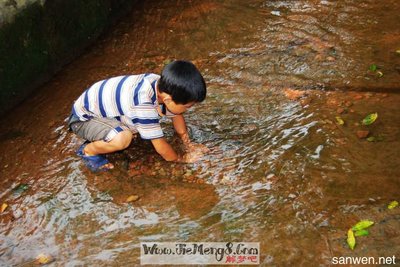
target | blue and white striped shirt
x=130, y=99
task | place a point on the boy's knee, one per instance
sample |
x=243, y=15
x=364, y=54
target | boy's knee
x=122, y=140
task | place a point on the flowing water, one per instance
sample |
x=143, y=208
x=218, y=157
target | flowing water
x=281, y=171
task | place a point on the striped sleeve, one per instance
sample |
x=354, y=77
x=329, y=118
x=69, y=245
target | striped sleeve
x=146, y=121
x=148, y=128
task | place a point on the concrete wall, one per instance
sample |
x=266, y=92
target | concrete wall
x=37, y=37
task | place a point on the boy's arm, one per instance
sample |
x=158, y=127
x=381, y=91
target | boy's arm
x=169, y=154
x=181, y=129
x=196, y=150
x=164, y=149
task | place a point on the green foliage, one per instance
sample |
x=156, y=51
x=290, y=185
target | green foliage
x=373, y=67
x=371, y=118
x=361, y=225
x=362, y=232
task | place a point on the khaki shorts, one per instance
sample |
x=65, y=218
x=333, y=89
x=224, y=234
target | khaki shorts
x=96, y=129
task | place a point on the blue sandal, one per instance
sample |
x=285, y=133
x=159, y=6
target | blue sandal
x=94, y=163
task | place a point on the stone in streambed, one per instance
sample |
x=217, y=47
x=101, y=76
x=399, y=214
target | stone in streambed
x=362, y=134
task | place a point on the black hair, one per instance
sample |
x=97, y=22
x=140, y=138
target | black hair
x=183, y=82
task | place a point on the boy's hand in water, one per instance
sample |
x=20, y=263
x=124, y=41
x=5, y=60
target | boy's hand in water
x=192, y=157
x=195, y=147
x=194, y=152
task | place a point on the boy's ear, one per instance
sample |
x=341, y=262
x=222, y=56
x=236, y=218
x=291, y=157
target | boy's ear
x=167, y=99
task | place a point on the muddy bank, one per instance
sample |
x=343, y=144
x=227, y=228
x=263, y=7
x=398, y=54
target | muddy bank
x=38, y=37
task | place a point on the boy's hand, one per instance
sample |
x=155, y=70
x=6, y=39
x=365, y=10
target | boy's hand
x=194, y=152
x=191, y=157
x=194, y=147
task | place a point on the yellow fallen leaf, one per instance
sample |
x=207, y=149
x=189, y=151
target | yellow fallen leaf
x=393, y=205
x=3, y=207
x=132, y=198
x=339, y=120
x=43, y=259
x=371, y=139
x=351, y=240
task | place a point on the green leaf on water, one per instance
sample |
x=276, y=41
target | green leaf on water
x=373, y=67
x=361, y=225
x=339, y=120
x=370, y=119
x=21, y=188
x=351, y=240
x=378, y=138
x=362, y=232
x=393, y=205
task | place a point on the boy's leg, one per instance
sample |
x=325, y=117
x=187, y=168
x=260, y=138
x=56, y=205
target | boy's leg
x=106, y=135
x=119, y=142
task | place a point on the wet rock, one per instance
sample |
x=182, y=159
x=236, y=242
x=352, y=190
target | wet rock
x=369, y=95
x=226, y=180
x=133, y=172
x=340, y=110
x=43, y=259
x=188, y=173
x=362, y=134
x=384, y=95
x=176, y=172
x=293, y=94
x=340, y=141
x=318, y=57
x=332, y=102
x=18, y=213
x=162, y=172
x=305, y=102
x=270, y=176
x=191, y=179
x=324, y=223
x=132, y=198
x=249, y=127
x=348, y=104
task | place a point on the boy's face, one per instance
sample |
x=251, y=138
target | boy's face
x=177, y=108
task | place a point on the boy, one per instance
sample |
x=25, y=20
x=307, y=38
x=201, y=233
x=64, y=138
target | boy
x=111, y=111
